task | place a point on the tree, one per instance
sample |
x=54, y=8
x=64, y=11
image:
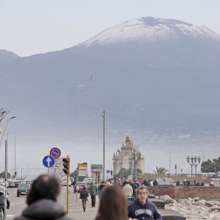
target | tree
x=217, y=164
x=2, y=175
x=139, y=173
x=211, y=166
x=124, y=173
x=161, y=171
x=207, y=166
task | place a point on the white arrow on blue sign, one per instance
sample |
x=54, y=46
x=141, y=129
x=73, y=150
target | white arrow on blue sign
x=48, y=161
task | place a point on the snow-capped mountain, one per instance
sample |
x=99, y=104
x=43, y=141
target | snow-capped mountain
x=154, y=77
x=151, y=29
x=7, y=56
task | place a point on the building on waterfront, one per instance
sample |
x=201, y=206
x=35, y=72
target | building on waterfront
x=96, y=172
x=128, y=158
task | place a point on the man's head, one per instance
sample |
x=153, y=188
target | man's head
x=142, y=194
x=44, y=187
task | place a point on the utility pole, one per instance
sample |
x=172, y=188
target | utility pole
x=170, y=163
x=21, y=173
x=66, y=170
x=175, y=169
x=135, y=165
x=6, y=174
x=191, y=165
x=196, y=169
x=15, y=157
x=103, y=118
x=6, y=161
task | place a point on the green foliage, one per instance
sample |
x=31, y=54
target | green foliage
x=211, y=166
x=2, y=175
x=124, y=173
x=139, y=173
x=161, y=171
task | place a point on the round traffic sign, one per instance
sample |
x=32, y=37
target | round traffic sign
x=55, y=152
x=48, y=161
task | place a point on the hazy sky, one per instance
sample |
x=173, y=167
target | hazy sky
x=33, y=26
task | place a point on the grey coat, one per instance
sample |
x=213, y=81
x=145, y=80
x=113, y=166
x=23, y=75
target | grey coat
x=43, y=210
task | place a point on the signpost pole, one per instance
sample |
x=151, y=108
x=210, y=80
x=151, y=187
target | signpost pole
x=67, y=194
x=67, y=187
x=6, y=173
x=48, y=162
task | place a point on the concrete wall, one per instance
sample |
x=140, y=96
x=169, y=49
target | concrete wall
x=186, y=192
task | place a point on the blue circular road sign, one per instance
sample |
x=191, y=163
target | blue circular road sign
x=48, y=161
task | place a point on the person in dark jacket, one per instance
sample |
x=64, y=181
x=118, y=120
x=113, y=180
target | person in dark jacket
x=93, y=192
x=101, y=187
x=4, y=203
x=142, y=208
x=84, y=197
x=42, y=201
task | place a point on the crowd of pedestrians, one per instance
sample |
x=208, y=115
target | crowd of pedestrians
x=42, y=201
x=189, y=183
x=114, y=201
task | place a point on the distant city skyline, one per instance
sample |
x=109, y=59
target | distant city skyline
x=30, y=27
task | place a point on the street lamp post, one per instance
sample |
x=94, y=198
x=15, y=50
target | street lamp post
x=197, y=162
x=15, y=157
x=6, y=161
x=103, y=121
x=6, y=152
x=5, y=128
x=175, y=167
x=3, y=115
x=134, y=165
x=6, y=149
x=193, y=161
x=135, y=160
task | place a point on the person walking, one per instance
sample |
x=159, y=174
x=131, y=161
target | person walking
x=128, y=191
x=113, y=204
x=4, y=202
x=42, y=201
x=93, y=192
x=142, y=208
x=84, y=197
x=101, y=187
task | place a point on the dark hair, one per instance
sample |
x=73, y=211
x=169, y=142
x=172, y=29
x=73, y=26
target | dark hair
x=44, y=187
x=113, y=204
x=142, y=188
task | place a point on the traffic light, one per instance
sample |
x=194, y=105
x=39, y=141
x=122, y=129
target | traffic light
x=66, y=165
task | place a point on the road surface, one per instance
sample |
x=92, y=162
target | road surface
x=76, y=212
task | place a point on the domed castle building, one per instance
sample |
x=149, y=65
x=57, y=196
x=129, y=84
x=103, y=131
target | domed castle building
x=129, y=158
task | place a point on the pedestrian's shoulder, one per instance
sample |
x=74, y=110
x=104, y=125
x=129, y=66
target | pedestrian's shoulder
x=133, y=205
x=151, y=204
x=65, y=218
x=21, y=217
x=130, y=206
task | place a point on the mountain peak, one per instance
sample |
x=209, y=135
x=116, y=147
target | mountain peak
x=7, y=53
x=151, y=29
x=7, y=56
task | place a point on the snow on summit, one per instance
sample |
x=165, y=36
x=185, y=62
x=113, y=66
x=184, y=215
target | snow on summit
x=150, y=29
